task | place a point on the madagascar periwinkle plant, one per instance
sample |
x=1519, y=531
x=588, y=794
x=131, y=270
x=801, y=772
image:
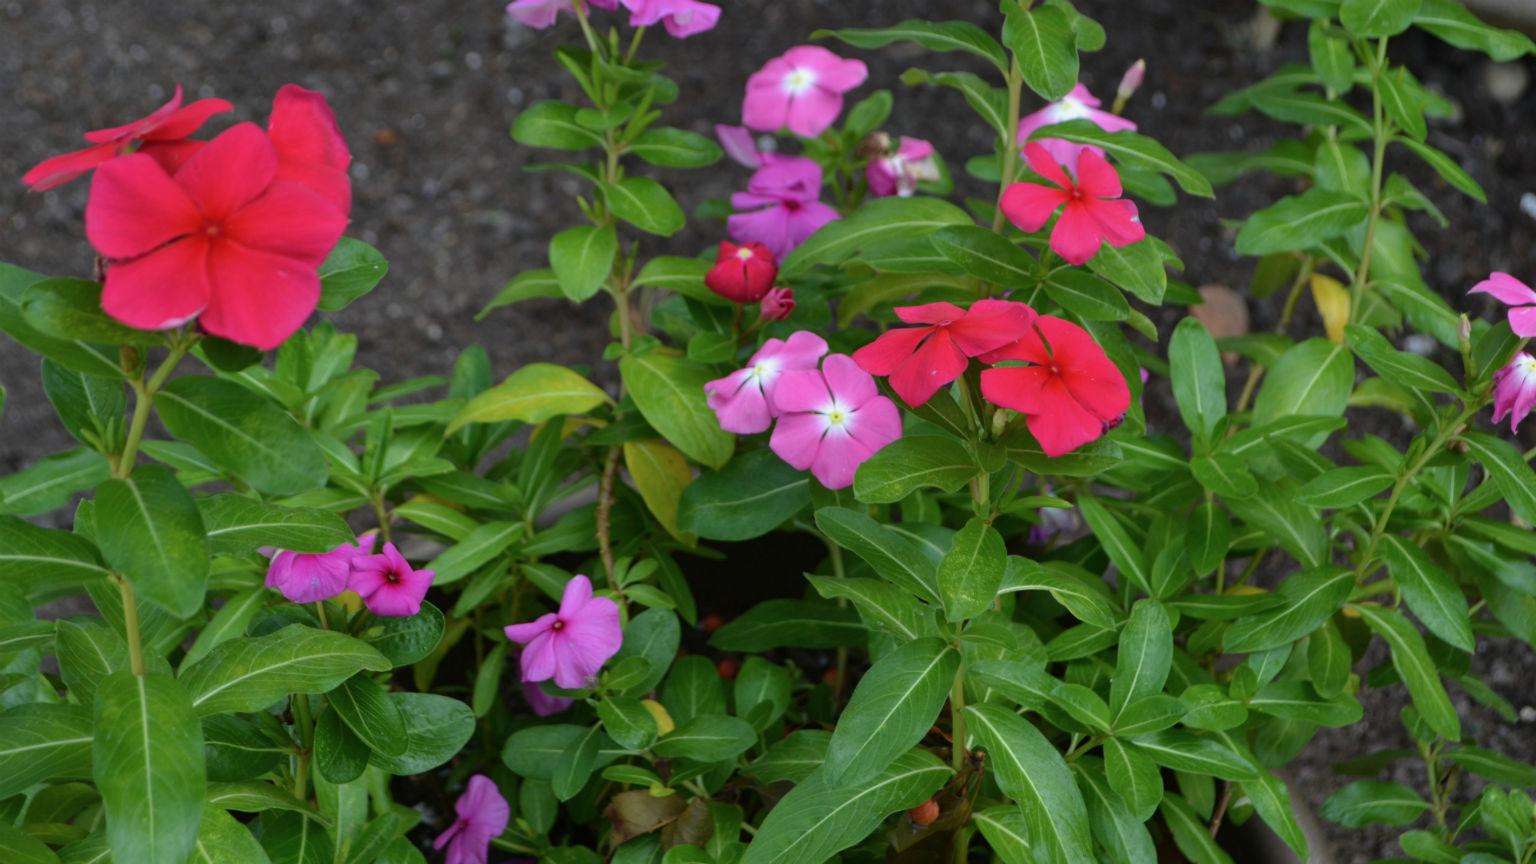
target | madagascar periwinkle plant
x=303, y=615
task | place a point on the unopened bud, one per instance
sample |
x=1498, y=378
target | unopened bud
x=777, y=304
x=1130, y=82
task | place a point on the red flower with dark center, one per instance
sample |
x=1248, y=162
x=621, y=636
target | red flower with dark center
x=1092, y=211
x=742, y=274
x=1070, y=395
x=920, y=360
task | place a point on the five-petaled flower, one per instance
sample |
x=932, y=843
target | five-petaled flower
x=1070, y=394
x=483, y=815
x=161, y=136
x=306, y=577
x=1092, y=211
x=743, y=400
x=920, y=360
x=1516, y=294
x=742, y=274
x=1076, y=105
x=802, y=90
x=832, y=420
x=570, y=645
x=1514, y=390
x=782, y=205
x=682, y=18
x=898, y=172
x=388, y=585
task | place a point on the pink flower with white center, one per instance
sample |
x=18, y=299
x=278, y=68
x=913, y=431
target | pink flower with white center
x=1076, y=105
x=388, y=585
x=899, y=173
x=743, y=400
x=483, y=815
x=538, y=14
x=543, y=704
x=739, y=144
x=682, y=18
x=570, y=645
x=306, y=577
x=802, y=90
x=831, y=421
x=1511, y=291
x=1514, y=390
x=782, y=205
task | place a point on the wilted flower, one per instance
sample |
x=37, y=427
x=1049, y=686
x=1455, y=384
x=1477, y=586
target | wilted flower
x=570, y=645
x=742, y=274
x=832, y=420
x=1092, y=211
x=1514, y=390
x=802, y=90
x=743, y=400
x=899, y=173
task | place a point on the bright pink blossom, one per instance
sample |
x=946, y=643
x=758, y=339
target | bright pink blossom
x=899, y=173
x=483, y=815
x=1071, y=393
x=161, y=136
x=1514, y=390
x=310, y=148
x=782, y=205
x=743, y=400
x=1130, y=82
x=1092, y=211
x=1076, y=105
x=1511, y=291
x=682, y=18
x=777, y=304
x=538, y=14
x=802, y=90
x=388, y=585
x=543, y=704
x=831, y=421
x=305, y=577
x=920, y=360
x=570, y=645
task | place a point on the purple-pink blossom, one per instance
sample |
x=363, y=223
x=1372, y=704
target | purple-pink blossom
x=682, y=18
x=570, y=645
x=483, y=815
x=538, y=14
x=899, y=172
x=1076, y=105
x=1516, y=294
x=388, y=584
x=832, y=420
x=307, y=577
x=543, y=704
x=801, y=90
x=743, y=400
x=739, y=144
x=781, y=206
x=1514, y=390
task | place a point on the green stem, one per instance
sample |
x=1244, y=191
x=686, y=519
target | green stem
x=131, y=625
x=1380, y=136
x=1256, y=372
x=835, y=553
x=306, y=727
x=957, y=719
x=1010, y=142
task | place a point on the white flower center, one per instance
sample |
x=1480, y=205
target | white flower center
x=836, y=417
x=799, y=81
x=1070, y=109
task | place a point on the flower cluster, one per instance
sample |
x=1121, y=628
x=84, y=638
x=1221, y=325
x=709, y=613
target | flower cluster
x=386, y=581
x=682, y=18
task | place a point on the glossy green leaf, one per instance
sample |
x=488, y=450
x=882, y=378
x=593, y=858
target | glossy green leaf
x=532, y=394
x=582, y=259
x=972, y=570
x=939, y=36
x=242, y=433
x=253, y=673
x=1373, y=802
x=1411, y=658
x=364, y=705
x=1307, y=599
x=669, y=391
x=238, y=525
x=891, y=709
x=1429, y=591
x=1031, y=771
x=150, y=530
x=352, y=269
x=1199, y=381
x=753, y=494
x=147, y=761
x=645, y=204
x=912, y=463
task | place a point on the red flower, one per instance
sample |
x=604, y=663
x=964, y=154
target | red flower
x=160, y=136
x=1072, y=394
x=1092, y=211
x=310, y=148
x=920, y=360
x=742, y=274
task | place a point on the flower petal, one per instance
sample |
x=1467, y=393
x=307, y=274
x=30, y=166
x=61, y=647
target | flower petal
x=187, y=120
x=524, y=633
x=813, y=111
x=1096, y=177
x=578, y=591
x=135, y=207
x=1506, y=289
x=288, y=220
x=258, y=298
x=990, y=324
x=935, y=364
x=1015, y=387
x=1523, y=321
x=930, y=313
x=890, y=349
x=1076, y=237
x=1029, y=205
x=802, y=390
x=1063, y=425
x=839, y=459
x=165, y=288
x=851, y=386
x=58, y=170
x=1041, y=163
x=876, y=423
x=230, y=172
x=128, y=131
x=540, y=658
x=797, y=437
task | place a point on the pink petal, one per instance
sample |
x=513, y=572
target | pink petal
x=766, y=106
x=839, y=459
x=1041, y=163
x=1523, y=321
x=832, y=71
x=769, y=226
x=892, y=348
x=1506, y=289
x=1076, y=237
x=1064, y=425
x=809, y=219
x=58, y=170
x=537, y=14
x=801, y=350
x=525, y=633
x=876, y=423
x=797, y=437
x=288, y=220
x=578, y=591
x=594, y=634
x=165, y=288
x=540, y=658
x=187, y=120
x=737, y=142
x=802, y=390
x=990, y=324
x=1119, y=223
x=930, y=313
x=689, y=18
x=1095, y=177
x=303, y=128
x=259, y=299
x=935, y=364
x=740, y=405
x=813, y=111
x=135, y=207
x=127, y=131
x=851, y=386
x=1029, y=205
x=1086, y=371
x=1019, y=388
x=230, y=172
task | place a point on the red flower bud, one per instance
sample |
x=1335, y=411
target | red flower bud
x=923, y=814
x=742, y=274
x=777, y=304
x=728, y=668
x=711, y=622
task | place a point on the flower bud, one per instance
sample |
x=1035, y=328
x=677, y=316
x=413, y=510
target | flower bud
x=777, y=304
x=742, y=274
x=1131, y=81
x=925, y=813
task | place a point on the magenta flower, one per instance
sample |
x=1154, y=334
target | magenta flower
x=1514, y=390
x=782, y=205
x=571, y=645
x=388, y=585
x=306, y=577
x=1511, y=291
x=1076, y=105
x=899, y=173
x=483, y=815
x=682, y=18
x=739, y=144
x=832, y=420
x=802, y=89
x=777, y=304
x=543, y=704
x=743, y=400
x=538, y=14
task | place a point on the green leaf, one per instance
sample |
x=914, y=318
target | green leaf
x=291, y=838
x=1300, y=222
x=1331, y=56
x=1493, y=766
x=1508, y=469
x=1373, y=802
x=1307, y=600
x=436, y=729
x=881, y=218
x=405, y=640
x=653, y=635
x=675, y=148
x=1312, y=378
x=51, y=482
x=1272, y=801
x=880, y=604
x=1045, y=48
x=1375, y=18
x=230, y=622
x=972, y=570
x=1329, y=660
x=533, y=394
x=1399, y=367
x=480, y=547
x=1293, y=525
x=892, y=555
x=1209, y=533
x=1086, y=296
x=1404, y=101
x=36, y=559
x=1144, y=658
x=1199, y=382
x=759, y=683
x=683, y=276
x=645, y=204
x=1448, y=170
x=661, y=475
x=243, y=434
x=1136, y=777
x=669, y=391
x=553, y=124
x=351, y=270
x=151, y=532
x=753, y=494
x=340, y=755
x=1131, y=150
x=221, y=838
x=788, y=623
x=252, y=674
x=40, y=741
x=530, y=285
x=1413, y=663
x=364, y=705
x=1185, y=751
x=891, y=710
x=985, y=255
x=627, y=721
x=1452, y=23
x=707, y=738
x=1344, y=487
x=237, y=525
x=1115, y=826
x=582, y=259
x=576, y=764
x=1429, y=591
x=1224, y=474
x=912, y=463
x=1031, y=771
x=71, y=309
x=1006, y=831
x=1190, y=833
x=1138, y=268
x=1124, y=552
x=939, y=36
x=147, y=761
x=1297, y=700
x=1087, y=599
x=19, y=847
x=80, y=356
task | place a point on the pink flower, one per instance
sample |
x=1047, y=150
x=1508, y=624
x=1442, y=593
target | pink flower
x=571, y=645
x=783, y=206
x=1514, y=390
x=483, y=815
x=310, y=148
x=802, y=89
x=538, y=14
x=1071, y=394
x=1092, y=211
x=1511, y=291
x=741, y=146
x=160, y=136
x=899, y=173
x=543, y=704
x=683, y=18
x=305, y=577
x=777, y=304
x=832, y=420
x=1076, y=105
x=388, y=585
x=920, y=360
x=743, y=400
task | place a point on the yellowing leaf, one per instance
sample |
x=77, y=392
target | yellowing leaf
x=664, y=724
x=661, y=474
x=532, y=394
x=1332, y=300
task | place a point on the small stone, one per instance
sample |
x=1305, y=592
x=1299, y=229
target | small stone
x=1505, y=82
x=1528, y=204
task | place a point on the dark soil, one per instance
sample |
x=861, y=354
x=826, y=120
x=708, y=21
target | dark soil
x=426, y=91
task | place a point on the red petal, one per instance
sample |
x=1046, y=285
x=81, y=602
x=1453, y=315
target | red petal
x=1076, y=237
x=1118, y=221
x=882, y=356
x=936, y=363
x=134, y=207
x=990, y=324
x=186, y=120
x=230, y=172
x=1015, y=387
x=1028, y=348
x=1093, y=379
x=303, y=129
x=58, y=170
x=332, y=184
x=128, y=131
x=1096, y=178
x=930, y=313
x=288, y=220
x=1063, y=425
x=1030, y=205
x=259, y=299
x=172, y=154
x=1042, y=163
x=163, y=289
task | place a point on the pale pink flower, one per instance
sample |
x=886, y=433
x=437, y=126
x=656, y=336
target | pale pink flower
x=682, y=18
x=782, y=205
x=571, y=645
x=388, y=585
x=831, y=421
x=306, y=577
x=483, y=815
x=1130, y=82
x=538, y=14
x=743, y=400
x=802, y=90
x=1514, y=390
x=1511, y=291
x=543, y=704
x=1078, y=104
x=739, y=143
x=899, y=173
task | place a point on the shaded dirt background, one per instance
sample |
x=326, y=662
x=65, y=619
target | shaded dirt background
x=426, y=91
